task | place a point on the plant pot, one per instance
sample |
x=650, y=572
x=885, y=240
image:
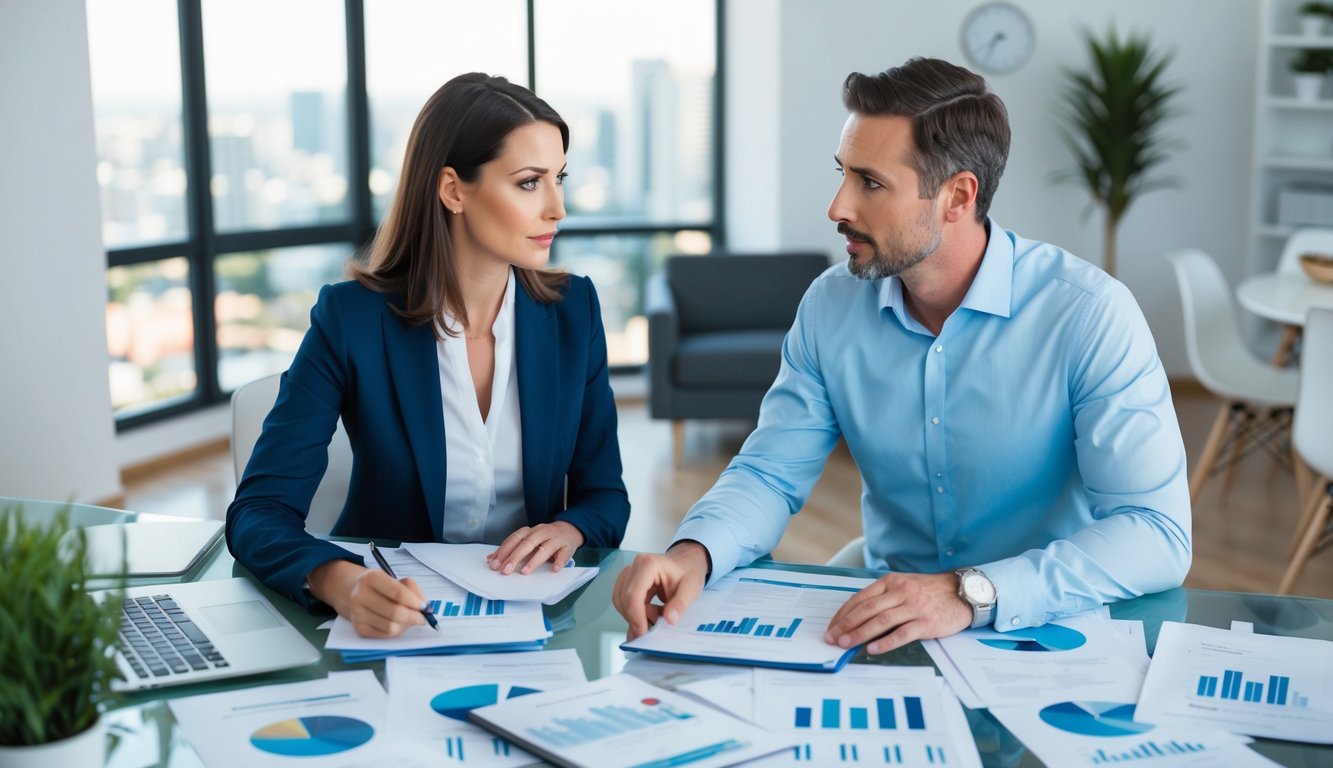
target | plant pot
x=1308, y=86
x=82, y=750
x=1312, y=26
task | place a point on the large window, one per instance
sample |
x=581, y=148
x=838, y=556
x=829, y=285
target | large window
x=246, y=150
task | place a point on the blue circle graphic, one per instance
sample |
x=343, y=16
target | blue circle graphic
x=312, y=736
x=457, y=702
x=1094, y=718
x=1048, y=637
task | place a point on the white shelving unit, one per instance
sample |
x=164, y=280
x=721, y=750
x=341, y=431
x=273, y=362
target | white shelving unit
x=1293, y=138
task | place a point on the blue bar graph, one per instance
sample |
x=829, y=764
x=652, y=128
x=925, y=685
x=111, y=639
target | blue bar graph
x=500, y=746
x=474, y=605
x=602, y=722
x=935, y=755
x=893, y=755
x=858, y=718
x=1253, y=691
x=454, y=747
x=749, y=625
x=1147, y=749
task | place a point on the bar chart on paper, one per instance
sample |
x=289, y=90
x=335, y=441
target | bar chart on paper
x=473, y=605
x=1250, y=683
x=749, y=625
x=601, y=722
x=867, y=717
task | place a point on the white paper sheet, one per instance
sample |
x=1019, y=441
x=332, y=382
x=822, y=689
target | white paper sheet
x=337, y=722
x=758, y=616
x=493, y=622
x=1260, y=685
x=1076, y=657
x=465, y=565
x=429, y=698
x=1073, y=734
x=622, y=721
x=864, y=715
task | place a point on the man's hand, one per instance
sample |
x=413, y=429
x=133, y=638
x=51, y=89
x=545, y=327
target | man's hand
x=900, y=607
x=375, y=603
x=549, y=542
x=676, y=578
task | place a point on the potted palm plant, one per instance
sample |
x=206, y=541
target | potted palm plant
x=1115, y=110
x=56, y=646
x=1309, y=68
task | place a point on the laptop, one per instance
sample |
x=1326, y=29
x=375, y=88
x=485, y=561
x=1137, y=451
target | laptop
x=171, y=634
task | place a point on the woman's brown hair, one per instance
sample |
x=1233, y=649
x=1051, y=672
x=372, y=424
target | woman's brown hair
x=463, y=126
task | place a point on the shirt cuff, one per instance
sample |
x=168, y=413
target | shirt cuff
x=723, y=550
x=1018, y=597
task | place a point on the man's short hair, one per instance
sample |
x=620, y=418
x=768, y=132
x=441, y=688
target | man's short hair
x=957, y=123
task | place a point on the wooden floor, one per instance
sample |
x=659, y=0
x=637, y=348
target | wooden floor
x=1241, y=537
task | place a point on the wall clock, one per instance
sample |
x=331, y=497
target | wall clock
x=998, y=37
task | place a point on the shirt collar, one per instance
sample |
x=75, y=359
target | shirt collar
x=991, y=290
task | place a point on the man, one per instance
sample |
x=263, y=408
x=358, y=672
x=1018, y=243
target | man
x=1003, y=400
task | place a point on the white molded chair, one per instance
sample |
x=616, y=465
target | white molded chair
x=250, y=405
x=1302, y=241
x=852, y=555
x=1312, y=437
x=1258, y=397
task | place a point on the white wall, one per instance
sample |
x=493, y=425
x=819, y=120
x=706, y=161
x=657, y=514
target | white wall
x=56, y=426
x=819, y=43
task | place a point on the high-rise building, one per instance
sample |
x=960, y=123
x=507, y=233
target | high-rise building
x=308, y=121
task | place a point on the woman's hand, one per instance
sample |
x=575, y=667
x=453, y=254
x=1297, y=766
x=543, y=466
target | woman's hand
x=529, y=547
x=375, y=603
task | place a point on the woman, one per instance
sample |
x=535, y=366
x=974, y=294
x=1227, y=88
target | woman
x=472, y=385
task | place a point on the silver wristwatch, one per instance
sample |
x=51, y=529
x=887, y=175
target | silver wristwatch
x=977, y=591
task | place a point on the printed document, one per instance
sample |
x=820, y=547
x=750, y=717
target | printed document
x=466, y=566
x=1081, y=656
x=430, y=698
x=468, y=622
x=865, y=715
x=623, y=721
x=337, y=722
x=761, y=617
x=1259, y=685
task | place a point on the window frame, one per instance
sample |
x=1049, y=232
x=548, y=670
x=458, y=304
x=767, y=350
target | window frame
x=203, y=245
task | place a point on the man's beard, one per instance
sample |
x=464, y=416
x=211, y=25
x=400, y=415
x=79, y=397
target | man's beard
x=897, y=258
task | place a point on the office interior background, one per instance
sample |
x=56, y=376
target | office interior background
x=731, y=108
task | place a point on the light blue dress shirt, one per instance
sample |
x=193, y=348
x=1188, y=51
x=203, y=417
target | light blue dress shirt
x=1034, y=438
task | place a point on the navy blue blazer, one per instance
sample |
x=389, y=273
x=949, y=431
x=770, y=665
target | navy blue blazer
x=361, y=362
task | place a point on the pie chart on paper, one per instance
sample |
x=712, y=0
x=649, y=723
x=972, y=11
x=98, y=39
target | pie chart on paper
x=1094, y=718
x=1048, y=637
x=457, y=702
x=312, y=736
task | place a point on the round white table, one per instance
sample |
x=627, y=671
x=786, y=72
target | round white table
x=1285, y=298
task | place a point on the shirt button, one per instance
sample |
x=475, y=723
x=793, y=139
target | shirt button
x=935, y=420
x=939, y=489
x=949, y=552
x=939, y=348
x=472, y=522
x=1013, y=622
x=937, y=474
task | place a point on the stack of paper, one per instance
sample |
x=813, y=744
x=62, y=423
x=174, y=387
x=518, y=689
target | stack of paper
x=760, y=617
x=466, y=566
x=469, y=623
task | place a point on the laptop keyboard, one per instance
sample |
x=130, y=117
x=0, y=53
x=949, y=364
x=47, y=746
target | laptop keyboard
x=158, y=639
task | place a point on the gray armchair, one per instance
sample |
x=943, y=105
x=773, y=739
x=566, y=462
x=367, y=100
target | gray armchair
x=715, y=330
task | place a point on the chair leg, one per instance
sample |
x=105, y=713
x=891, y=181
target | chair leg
x=1313, y=532
x=677, y=441
x=1313, y=494
x=1302, y=476
x=1284, y=346
x=1208, y=458
x=1242, y=435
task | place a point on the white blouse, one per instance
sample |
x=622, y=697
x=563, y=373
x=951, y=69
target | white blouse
x=483, y=490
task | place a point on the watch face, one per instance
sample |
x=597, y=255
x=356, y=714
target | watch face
x=998, y=38
x=978, y=589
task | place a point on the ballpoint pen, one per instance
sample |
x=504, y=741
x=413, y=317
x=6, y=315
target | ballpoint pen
x=384, y=566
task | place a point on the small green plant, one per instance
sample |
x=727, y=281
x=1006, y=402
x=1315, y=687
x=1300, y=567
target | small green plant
x=1312, y=61
x=1315, y=9
x=56, y=643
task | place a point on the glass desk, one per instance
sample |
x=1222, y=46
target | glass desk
x=142, y=731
